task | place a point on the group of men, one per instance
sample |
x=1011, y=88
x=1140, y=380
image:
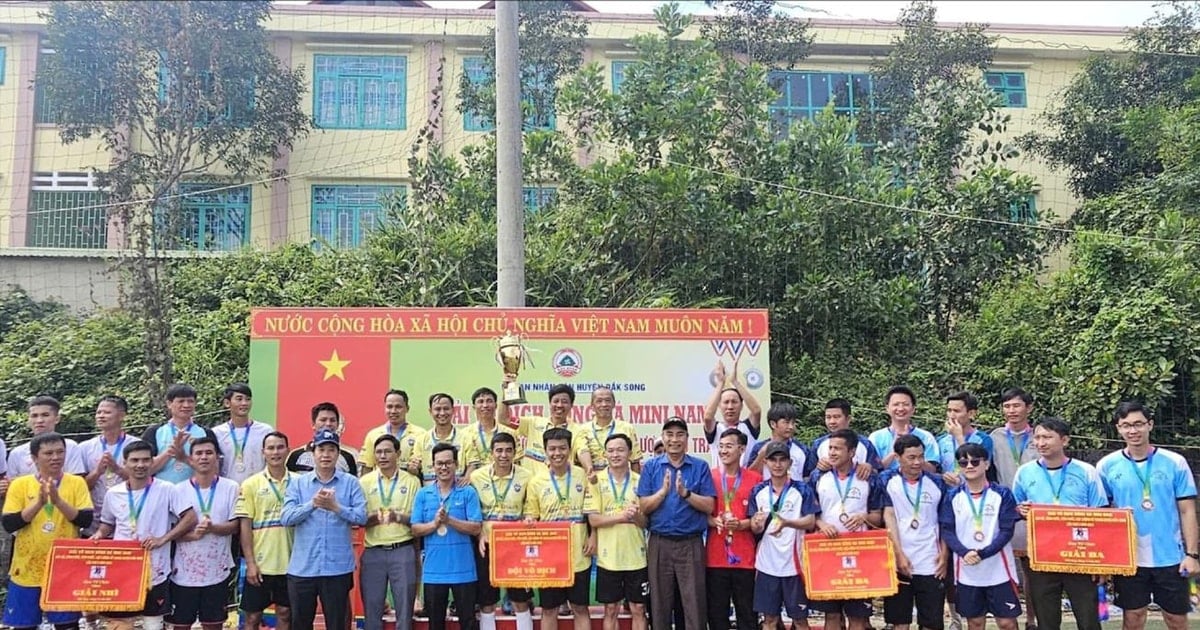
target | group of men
x=666, y=532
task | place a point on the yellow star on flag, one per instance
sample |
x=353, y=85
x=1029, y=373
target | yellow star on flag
x=334, y=366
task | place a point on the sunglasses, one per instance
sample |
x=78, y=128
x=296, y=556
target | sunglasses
x=969, y=462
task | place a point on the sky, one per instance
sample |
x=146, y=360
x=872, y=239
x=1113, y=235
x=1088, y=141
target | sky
x=1128, y=13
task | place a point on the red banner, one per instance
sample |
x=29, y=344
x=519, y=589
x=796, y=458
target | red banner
x=1094, y=541
x=858, y=565
x=527, y=557
x=96, y=576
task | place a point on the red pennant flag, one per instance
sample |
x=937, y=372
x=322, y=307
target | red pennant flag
x=350, y=372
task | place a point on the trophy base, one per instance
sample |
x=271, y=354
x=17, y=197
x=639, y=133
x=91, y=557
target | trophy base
x=513, y=394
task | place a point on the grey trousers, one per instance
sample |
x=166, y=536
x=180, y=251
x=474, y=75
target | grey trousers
x=384, y=567
x=679, y=563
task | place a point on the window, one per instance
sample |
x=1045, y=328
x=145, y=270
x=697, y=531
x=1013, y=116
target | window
x=208, y=217
x=360, y=92
x=1009, y=85
x=342, y=215
x=477, y=73
x=618, y=75
x=1024, y=211
x=46, y=111
x=67, y=210
x=803, y=94
x=537, y=198
x=3, y=59
x=239, y=101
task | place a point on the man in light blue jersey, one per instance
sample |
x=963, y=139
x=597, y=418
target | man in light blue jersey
x=837, y=417
x=1055, y=479
x=901, y=402
x=961, y=409
x=1158, y=486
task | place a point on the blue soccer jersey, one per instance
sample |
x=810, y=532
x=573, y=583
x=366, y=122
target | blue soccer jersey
x=1074, y=483
x=885, y=437
x=947, y=447
x=1156, y=482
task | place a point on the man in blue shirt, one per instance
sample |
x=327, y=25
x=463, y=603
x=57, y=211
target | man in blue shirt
x=322, y=506
x=901, y=403
x=676, y=492
x=446, y=515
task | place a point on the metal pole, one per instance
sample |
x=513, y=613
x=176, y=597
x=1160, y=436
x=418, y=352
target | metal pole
x=510, y=211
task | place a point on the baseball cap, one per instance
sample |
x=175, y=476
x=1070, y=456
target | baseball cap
x=675, y=422
x=778, y=448
x=325, y=436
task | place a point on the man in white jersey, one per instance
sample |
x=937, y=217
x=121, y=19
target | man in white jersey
x=901, y=402
x=911, y=499
x=782, y=418
x=847, y=504
x=728, y=398
x=43, y=418
x=1158, y=486
x=837, y=417
x=102, y=454
x=240, y=439
x=203, y=558
x=1055, y=479
x=782, y=508
x=1013, y=446
x=172, y=440
x=141, y=508
x=977, y=520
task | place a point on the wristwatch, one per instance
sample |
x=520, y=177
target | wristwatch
x=1193, y=556
x=689, y=493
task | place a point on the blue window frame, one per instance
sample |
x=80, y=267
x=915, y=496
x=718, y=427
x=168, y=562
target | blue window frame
x=1025, y=210
x=538, y=197
x=3, y=59
x=207, y=217
x=802, y=94
x=1009, y=85
x=618, y=74
x=343, y=215
x=477, y=73
x=360, y=91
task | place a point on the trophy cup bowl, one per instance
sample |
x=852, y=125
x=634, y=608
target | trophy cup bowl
x=511, y=354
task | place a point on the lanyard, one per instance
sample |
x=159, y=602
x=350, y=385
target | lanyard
x=116, y=447
x=175, y=429
x=484, y=443
x=499, y=498
x=1144, y=477
x=274, y=488
x=386, y=499
x=916, y=505
x=1012, y=446
x=564, y=498
x=612, y=425
x=776, y=504
x=437, y=440
x=238, y=449
x=620, y=499
x=1062, y=479
x=135, y=510
x=977, y=514
x=205, y=508
x=730, y=494
x=843, y=493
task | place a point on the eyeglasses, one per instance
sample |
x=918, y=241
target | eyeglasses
x=449, y=463
x=969, y=462
x=1132, y=426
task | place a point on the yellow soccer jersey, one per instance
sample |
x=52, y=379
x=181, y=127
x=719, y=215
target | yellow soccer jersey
x=408, y=441
x=502, y=498
x=261, y=501
x=595, y=436
x=566, y=498
x=32, y=543
x=397, y=494
x=478, y=446
x=531, y=428
x=424, y=450
x=619, y=547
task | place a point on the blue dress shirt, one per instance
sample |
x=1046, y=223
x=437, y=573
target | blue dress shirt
x=322, y=545
x=674, y=516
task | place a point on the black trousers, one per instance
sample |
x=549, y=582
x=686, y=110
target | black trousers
x=332, y=590
x=731, y=584
x=437, y=597
x=1045, y=591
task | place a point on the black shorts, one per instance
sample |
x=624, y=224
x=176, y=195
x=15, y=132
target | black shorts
x=927, y=592
x=1164, y=585
x=614, y=586
x=158, y=604
x=272, y=591
x=852, y=608
x=577, y=594
x=203, y=603
x=488, y=595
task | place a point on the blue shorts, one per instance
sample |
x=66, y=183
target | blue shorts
x=23, y=609
x=1000, y=600
x=773, y=593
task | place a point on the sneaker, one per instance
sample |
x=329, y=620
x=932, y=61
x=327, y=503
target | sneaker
x=955, y=623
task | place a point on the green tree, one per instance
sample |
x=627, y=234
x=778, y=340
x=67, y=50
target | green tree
x=176, y=91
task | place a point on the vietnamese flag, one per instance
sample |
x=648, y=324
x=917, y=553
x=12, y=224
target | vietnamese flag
x=350, y=372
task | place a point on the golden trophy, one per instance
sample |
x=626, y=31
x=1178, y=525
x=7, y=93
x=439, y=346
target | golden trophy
x=511, y=353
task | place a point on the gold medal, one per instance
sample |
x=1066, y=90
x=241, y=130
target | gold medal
x=914, y=524
x=384, y=516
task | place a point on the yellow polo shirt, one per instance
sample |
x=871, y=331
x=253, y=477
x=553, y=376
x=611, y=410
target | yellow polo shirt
x=478, y=446
x=408, y=441
x=618, y=547
x=595, y=436
x=397, y=494
x=502, y=498
x=32, y=543
x=571, y=501
x=534, y=456
x=261, y=501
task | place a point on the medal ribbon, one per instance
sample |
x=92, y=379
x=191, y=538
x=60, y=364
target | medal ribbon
x=977, y=515
x=205, y=508
x=135, y=510
x=916, y=505
x=238, y=449
x=563, y=498
x=730, y=494
x=386, y=499
x=1144, y=477
x=843, y=493
x=274, y=488
x=1012, y=446
x=484, y=443
x=1062, y=479
x=116, y=447
x=776, y=504
x=612, y=425
x=619, y=498
x=498, y=500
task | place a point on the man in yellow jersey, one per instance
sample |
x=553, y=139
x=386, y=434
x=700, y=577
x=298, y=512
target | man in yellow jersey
x=501, y=487
x=39, y=509
x=266, y=543
x=395, y=408
x=532, y=428
x=562, y=492
x=620, y=537
x=595, y=433
x=441, y=409
x=390, y=557
x=478, y=446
